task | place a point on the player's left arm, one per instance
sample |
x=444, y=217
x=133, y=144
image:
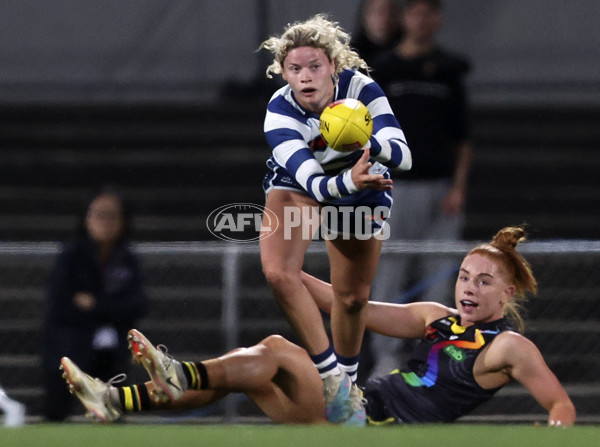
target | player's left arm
x=387, y=143
x=524, y=362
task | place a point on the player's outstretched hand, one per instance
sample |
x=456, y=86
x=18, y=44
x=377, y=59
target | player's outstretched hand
x=363, y=180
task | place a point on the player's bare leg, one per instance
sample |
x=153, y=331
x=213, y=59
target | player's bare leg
x=353, y=266
x=277, y=375
x=282, y=257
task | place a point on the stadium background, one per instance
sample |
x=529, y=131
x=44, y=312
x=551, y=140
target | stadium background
x=166, y=99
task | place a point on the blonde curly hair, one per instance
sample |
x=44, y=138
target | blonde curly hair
x=316, y=32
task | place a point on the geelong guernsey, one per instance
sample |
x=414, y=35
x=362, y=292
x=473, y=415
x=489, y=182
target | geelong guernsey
x=438, y=385
x=320, y=171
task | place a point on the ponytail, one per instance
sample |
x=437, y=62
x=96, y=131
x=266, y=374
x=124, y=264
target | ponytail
x=502, y=248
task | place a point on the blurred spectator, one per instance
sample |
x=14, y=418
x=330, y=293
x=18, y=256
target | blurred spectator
x=14, y=412
x=378, y=29
x=424, y=83
x=94, y=297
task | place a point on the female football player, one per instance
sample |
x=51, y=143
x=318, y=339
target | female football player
x=466, y=355
x=305, y=175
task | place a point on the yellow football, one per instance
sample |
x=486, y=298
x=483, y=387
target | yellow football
x=346, y=125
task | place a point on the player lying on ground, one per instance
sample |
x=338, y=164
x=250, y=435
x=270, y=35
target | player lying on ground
x=467, y=354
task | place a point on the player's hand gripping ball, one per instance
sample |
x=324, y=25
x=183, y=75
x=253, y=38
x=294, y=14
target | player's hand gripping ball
x=346, y=125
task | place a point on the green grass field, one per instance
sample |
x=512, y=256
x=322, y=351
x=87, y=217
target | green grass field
x=171, y=435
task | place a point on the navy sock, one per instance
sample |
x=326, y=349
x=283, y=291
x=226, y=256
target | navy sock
x=326, y=362
x=349, y=365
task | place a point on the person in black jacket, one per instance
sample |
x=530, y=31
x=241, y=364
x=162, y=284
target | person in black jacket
x=94, y=296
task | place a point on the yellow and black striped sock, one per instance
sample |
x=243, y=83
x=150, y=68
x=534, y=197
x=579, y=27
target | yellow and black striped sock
x=195, y=374
x=134, y=398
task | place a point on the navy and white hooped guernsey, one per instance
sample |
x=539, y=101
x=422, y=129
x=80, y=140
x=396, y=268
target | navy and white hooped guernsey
x=302, y=162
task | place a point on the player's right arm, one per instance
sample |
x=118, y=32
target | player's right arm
x=393, y=320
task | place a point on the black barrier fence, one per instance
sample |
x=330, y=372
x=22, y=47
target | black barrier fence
x=207, y=298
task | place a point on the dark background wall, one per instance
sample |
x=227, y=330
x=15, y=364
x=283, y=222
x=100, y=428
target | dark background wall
x=535, y=50
x=132, y=93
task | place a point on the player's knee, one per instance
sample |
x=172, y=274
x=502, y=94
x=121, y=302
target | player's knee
x=274, y=342
x=352, y=303
x=280, y=279
x=274, y=345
